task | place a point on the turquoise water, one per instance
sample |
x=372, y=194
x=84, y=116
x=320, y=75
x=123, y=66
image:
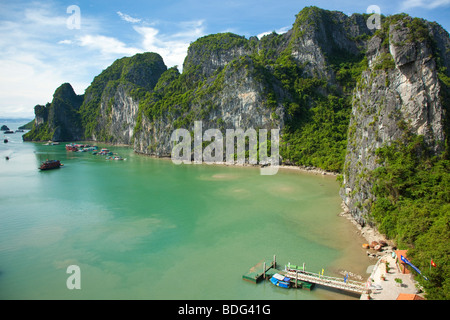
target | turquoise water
x=145, y=228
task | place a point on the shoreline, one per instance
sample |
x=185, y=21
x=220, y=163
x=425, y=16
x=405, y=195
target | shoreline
x=367, y=232
x=306, y=169
x=314, y=170
x=385, y=272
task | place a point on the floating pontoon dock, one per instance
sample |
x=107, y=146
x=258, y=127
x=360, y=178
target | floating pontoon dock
x=299, y=278
x=262, y=270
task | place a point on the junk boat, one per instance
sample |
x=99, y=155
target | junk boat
x=71, y=147
x=50, y=164
x=76, y=147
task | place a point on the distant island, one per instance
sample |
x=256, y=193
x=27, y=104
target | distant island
x=28, y=126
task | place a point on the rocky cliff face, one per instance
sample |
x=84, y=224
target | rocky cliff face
x=58, y=120
x=111, y=105
x=118, y=112
x=399, y=93
x=235, y=83
x=320, y=38
x=226, y=93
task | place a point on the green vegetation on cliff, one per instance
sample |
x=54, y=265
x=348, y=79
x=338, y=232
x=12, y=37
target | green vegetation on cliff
x=27, y=126
x=58, y=120
x=316, y=128
x=319, y=113
x=141, y=71
x=412, y=190
x=39, y=133
x=412, y=185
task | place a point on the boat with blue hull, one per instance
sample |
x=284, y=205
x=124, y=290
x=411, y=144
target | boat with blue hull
x=280, y=281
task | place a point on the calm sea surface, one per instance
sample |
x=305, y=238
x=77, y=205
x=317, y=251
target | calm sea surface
x=145, y=228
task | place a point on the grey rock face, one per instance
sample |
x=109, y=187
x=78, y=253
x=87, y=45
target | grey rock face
x=385, y=104
x=240, y=104
x=118, y=114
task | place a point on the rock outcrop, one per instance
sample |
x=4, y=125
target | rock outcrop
x=400, y=92
x=111, y=103
x=60, y=119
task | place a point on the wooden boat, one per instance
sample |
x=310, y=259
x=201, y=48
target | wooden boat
x=50, y=164
x=71, y=147
x=51, y=143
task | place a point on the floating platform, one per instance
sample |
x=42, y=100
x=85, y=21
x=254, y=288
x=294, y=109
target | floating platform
x=302, y=284
x=261, y=270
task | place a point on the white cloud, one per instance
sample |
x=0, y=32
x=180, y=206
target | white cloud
x=25, y=84
x=108, y=46
x=410, y=4
x=39, y=52
x=172, y=47
x=279, y=31
x=128, y=18
x=38, y=55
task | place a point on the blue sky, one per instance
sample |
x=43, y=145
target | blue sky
x=40, y=49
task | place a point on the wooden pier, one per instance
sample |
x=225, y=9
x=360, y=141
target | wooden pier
x=332, y=282
x=299, y=278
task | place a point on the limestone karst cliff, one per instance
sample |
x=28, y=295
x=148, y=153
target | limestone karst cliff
x=399, y=93
x=60, y=119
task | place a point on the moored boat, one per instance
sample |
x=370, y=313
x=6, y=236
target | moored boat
x=71, y=147
x=105, y=152
x=280, y=281
x=50, y=164
x=51, y=143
